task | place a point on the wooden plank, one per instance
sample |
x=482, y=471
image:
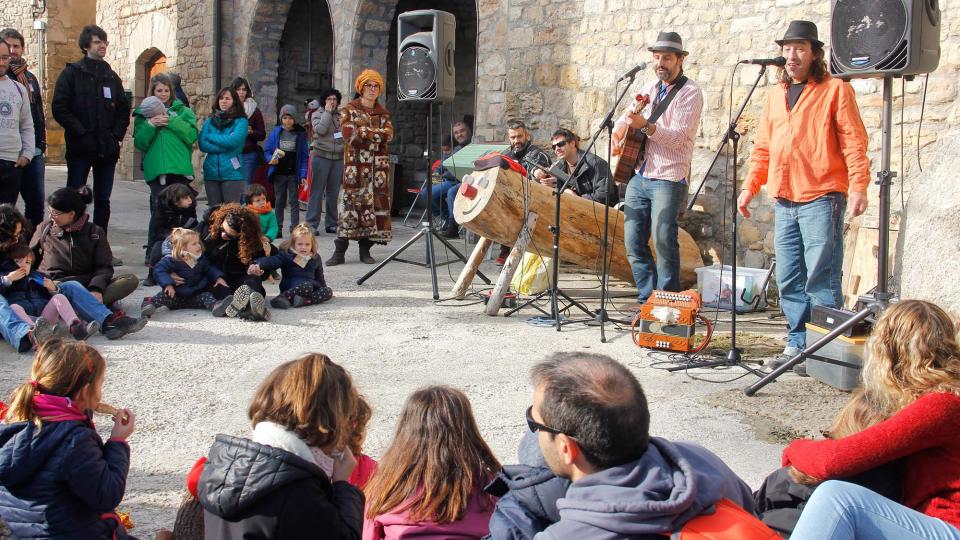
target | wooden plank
x=850, y=282
x=470, y=270
x=510, y=267
x=863, y=268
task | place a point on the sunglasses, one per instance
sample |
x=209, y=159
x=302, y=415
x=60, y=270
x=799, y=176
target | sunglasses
x=537, y=426
x=559, y=144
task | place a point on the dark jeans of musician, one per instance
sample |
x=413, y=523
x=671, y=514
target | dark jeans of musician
x=10, y=178
x=808, y=242
x=439, y=193
x=653, y=205
x=78, y=169
x=31, y=189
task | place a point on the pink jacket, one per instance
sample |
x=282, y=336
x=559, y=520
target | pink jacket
x=397, y=525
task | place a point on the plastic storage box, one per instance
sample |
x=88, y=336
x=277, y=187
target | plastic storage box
x=714, y=286
x=844, y=349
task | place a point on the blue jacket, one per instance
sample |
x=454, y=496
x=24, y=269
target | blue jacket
x=303, y=149
x=27, y=292
x=657, y=494
x=195, y=280
x=58, y=482
x=292, y=274
x=224, y=148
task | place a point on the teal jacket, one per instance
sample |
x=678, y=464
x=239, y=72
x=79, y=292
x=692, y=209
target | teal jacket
x=166, y=150
x=224, y=148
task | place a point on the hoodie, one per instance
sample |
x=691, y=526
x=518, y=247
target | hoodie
x=252, y=490
x=60, y=481
x=654, y=495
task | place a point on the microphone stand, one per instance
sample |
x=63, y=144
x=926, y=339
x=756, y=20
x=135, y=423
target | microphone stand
x=733, y=357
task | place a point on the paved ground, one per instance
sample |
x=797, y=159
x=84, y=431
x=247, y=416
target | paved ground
x=189, y=376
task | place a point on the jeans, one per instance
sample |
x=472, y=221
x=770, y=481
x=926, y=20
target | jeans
x=31, y=189
x=326, y=177
x=809, y=248
x=438, y=194
x=285, y=188
x=78, y=169
x=12, y=327
x=841, y=510
x=10, y=178
x=250, y=162
x=86, y=305
x=653, y=205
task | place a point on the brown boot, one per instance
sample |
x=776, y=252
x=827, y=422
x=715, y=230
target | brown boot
x=365, y=251
x=340, y=248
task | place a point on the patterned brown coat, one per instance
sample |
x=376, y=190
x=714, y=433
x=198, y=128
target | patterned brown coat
x=364, y=201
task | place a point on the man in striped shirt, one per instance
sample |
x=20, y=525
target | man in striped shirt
x=658, y=190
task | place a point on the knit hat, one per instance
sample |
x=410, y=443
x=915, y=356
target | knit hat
x=152, y=106
x=368, y=75
x=288, y=109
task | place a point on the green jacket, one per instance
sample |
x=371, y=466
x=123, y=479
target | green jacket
x=268, y=224
x=166, y=150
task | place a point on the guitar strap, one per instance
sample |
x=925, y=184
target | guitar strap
x=662, y=107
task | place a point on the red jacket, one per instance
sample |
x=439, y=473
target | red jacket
x=925, y=434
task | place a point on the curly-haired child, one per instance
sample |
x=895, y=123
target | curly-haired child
x=302, y=283
x=201, y=284
x=232, y=244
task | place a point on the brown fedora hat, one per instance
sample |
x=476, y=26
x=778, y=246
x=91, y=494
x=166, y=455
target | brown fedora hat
x=801, y=31
x=668, y=42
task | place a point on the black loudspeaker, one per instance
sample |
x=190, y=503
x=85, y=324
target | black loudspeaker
x=877, y=38
x=425, y=69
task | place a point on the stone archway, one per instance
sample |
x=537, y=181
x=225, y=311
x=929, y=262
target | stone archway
x=276, y=25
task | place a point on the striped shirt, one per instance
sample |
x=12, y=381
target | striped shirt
x=669, y=150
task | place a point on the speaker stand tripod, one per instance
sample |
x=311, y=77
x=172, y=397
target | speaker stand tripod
x=426, y=232
x=874, y=303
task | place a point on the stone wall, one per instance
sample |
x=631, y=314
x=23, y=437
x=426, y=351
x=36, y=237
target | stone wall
x=306, y=48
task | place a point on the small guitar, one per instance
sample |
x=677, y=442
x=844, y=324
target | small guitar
x=631, y=151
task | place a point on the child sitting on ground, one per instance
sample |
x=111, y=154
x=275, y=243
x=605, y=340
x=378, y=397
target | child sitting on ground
x=430, y=480
x=32, y=294
x=302, y=283
x=256, y=197
x=202, y=283
x=176, y=208
x=57, y=476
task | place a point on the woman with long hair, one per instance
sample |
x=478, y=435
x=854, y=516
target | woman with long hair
x=363, y=205
x=222, y=138
x=256, y=130
x=233, y=244
x=907, y=409
x=429, y=483
x=288, y=480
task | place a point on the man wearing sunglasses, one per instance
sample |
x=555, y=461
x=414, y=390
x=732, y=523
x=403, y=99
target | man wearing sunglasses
x=592, y=423
x=592, y=177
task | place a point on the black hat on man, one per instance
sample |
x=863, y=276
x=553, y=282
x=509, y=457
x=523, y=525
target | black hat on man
x=668, y=42
x=801, y=30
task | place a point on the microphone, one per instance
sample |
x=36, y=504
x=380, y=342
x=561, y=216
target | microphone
x=636, y=69
x=778, y=61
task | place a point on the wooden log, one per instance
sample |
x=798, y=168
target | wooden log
x=491, y=204
x=510, y=267
x=470, y=270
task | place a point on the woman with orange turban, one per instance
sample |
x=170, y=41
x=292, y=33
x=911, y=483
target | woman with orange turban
x=364, y=203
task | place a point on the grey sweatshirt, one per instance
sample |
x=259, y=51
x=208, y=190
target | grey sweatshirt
x=16, y=122
x=327, y=141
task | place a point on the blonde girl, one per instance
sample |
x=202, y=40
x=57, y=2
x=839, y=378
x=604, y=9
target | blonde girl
x=186, y=277
x=302, y=282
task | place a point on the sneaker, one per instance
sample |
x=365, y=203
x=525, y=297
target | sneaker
x=280, y=302
x=81, y=330
x=258, y=305
x=331, y=230
x=241, y=298
x=789, y=352
x=451, y=231
x=42, y=332
x=116, y=326
x=147, y=307
x=220, y=308
x=801, y=369
x=60, y=331
x=299, y=301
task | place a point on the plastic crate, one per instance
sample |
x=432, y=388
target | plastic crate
x=843, y=348
x=714, y=286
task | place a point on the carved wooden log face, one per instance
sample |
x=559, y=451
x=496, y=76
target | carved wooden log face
x=495, y=210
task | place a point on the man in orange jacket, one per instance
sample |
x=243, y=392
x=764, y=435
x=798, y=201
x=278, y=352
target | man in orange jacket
x=811, y=152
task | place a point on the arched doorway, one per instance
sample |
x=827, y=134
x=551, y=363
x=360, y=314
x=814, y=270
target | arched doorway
x=306, y=54
x=156, y=64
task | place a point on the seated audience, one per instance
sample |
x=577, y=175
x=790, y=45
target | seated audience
x=592, y=178
x=429, y=483
x=201, y=285
x=176, y=207
x=58, y=479
x=232, y=244
x=911, y=379
x=302, y=282
x=70, y=247
x=256, y=200
x=593, y=424
x=289, y=479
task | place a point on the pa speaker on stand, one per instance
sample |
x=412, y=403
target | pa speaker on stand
x=425, y=59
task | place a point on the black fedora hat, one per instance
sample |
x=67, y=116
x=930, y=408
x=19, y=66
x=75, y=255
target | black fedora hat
x=801, y=30
x=668, y=42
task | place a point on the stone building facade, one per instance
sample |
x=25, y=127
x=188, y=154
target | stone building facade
x=551, y=64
